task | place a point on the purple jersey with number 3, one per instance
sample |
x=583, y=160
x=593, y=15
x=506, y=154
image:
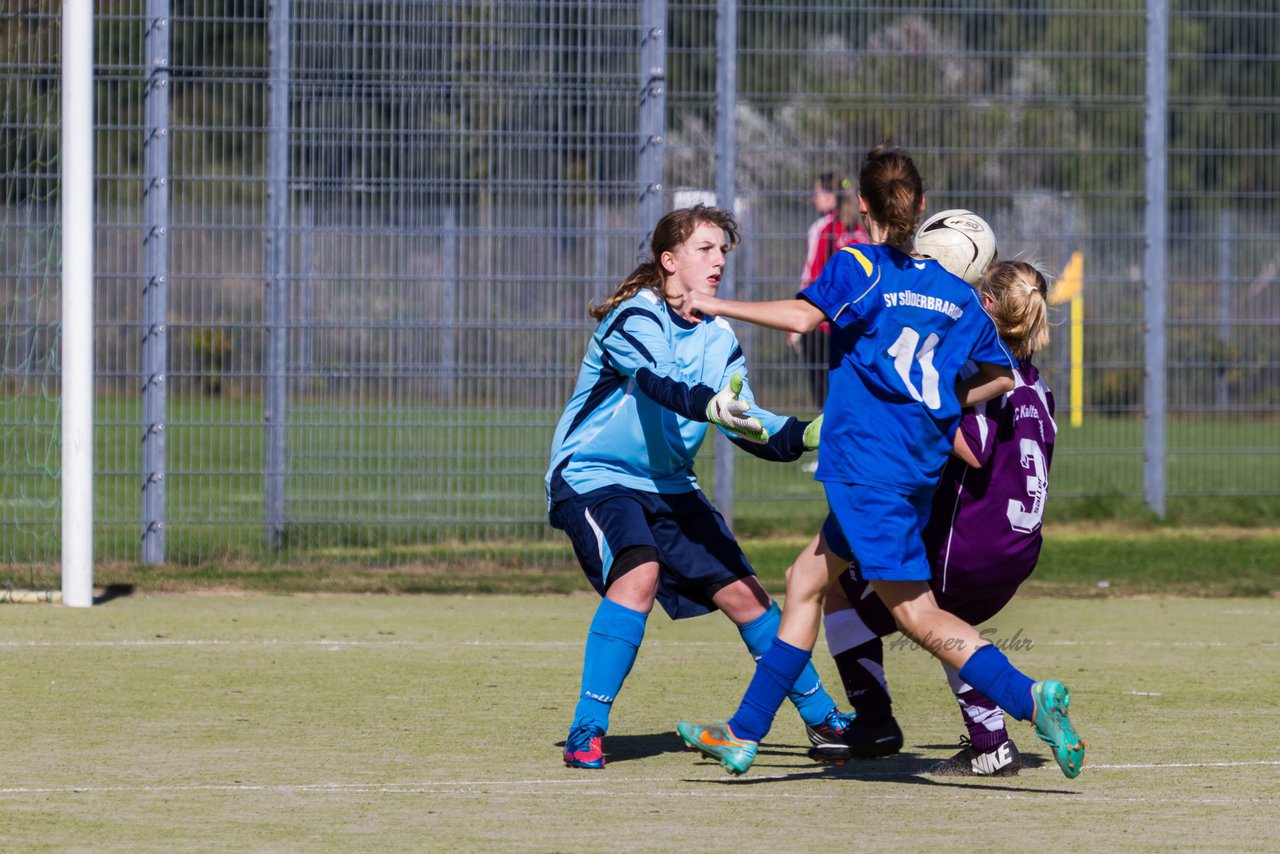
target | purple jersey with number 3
x=984, y=531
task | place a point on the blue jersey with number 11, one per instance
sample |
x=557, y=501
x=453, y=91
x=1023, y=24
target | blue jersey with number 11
x=901, y=331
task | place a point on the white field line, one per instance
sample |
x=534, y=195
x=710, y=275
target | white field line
x=268, y=642
x=143, y=643
x=592, y=785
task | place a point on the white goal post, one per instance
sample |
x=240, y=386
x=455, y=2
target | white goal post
x=76, y=186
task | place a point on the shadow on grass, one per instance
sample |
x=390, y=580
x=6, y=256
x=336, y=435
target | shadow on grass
x=906, y=767
x=624, y=748
x=113, y=591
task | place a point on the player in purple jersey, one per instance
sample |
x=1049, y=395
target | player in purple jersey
x=903, y=330
x=983, y=539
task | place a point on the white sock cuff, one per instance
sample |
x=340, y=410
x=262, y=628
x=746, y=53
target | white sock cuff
x=958, y=685
x=845, y=630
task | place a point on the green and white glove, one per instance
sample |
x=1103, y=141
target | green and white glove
x=812, y=433
x=726, y=410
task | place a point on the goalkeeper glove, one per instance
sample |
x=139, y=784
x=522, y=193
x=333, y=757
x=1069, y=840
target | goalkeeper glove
x=812, y=433
x=727, y=411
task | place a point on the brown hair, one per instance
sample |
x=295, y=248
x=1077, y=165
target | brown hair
x=893, y=190
x=1019, y=306
x=846, y=200
x=673, y=229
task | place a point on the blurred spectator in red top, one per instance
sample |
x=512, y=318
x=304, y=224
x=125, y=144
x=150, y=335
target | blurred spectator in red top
x=837, y=226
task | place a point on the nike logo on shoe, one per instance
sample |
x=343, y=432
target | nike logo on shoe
x=989, y=763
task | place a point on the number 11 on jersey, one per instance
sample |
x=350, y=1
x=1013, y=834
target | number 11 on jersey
x=904, y=351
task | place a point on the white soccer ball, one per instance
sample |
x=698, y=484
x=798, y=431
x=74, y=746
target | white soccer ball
x=959, y=240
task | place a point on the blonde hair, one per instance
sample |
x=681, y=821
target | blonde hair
x=1019, y=305
x=673, y=229
x=894, y=192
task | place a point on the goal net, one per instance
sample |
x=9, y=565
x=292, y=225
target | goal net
x=30, y=292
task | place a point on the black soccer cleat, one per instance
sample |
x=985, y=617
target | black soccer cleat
x=1003, y=760
x=860, y=741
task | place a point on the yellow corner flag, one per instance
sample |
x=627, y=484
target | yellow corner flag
x=1070, y=288
x=1071, y=283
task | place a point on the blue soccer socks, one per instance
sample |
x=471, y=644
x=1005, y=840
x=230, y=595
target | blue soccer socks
x=988, y=670
x=810, y=698
x=612, y=643
x=776, y=671
x=761, y=631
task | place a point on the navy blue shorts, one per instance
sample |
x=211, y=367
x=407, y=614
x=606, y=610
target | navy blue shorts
x=697, y=554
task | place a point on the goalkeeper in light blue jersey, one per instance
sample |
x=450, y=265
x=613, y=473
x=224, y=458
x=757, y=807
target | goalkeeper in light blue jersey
x=621, y=482
x=902, y=330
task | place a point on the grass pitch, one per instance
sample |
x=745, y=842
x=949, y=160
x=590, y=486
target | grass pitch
x=409, y=723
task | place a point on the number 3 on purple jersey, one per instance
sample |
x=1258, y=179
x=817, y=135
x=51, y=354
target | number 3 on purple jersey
x=1020, y=518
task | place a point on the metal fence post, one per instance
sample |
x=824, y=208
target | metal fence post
x=652, y=116
x=277, y=268
x=726, y=191
x=1155, y=261
x=600, y=267
x=155, y=339
x=304, y=263
x=1226, y=227
x=449, y=307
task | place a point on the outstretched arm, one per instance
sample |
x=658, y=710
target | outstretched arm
x=787, y=437
x=789, y=315
x=787, y=443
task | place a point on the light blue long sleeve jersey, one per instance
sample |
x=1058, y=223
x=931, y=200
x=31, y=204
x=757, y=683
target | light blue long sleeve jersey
x=639, y=410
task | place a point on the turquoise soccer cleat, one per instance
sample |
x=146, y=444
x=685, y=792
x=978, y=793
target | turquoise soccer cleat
x=716, y=741
x=1054, y=728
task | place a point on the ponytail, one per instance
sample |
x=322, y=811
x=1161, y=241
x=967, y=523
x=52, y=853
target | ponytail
x=1019, y=305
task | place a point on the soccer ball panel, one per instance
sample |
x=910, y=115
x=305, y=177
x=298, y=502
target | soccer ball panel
x=959, y=240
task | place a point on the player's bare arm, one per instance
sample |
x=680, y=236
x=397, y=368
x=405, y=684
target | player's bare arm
x=962, y=450
x=788, y=315
x=990, y=381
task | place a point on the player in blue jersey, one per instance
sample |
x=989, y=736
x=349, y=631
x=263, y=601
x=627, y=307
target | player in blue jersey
x=983, y=540
x=903, y=329
x=621, y=482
